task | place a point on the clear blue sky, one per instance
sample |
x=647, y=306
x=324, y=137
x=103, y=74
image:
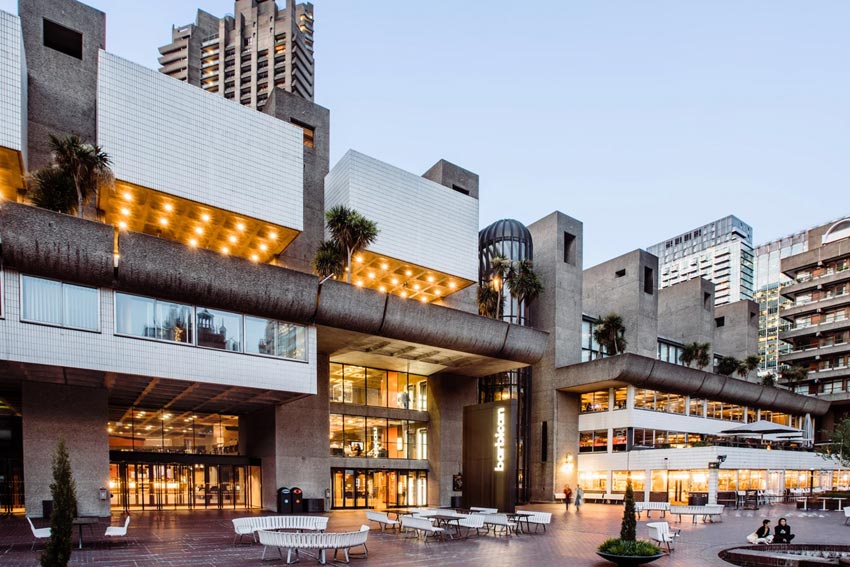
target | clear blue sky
x=641, y=119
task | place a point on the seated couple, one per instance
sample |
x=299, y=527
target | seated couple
x=782, y=533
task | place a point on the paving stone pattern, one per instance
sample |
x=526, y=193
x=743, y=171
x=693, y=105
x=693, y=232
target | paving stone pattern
x=178, y=539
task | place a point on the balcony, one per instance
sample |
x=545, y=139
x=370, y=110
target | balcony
x=816, y=306
x=815, y=352
x=809, y=284
x=811, y=330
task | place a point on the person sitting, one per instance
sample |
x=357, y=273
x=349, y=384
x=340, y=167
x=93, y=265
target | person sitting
x=761, y=535
x=782, y=533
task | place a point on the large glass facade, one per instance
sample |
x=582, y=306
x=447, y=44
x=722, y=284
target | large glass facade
x=164, y=431
x=350, y=384
x=378, y=488
x=52, y=302
x=377, y=437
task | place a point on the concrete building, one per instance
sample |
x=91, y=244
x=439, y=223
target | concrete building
x=244, y=56
x=720, y=251
x=818, y=313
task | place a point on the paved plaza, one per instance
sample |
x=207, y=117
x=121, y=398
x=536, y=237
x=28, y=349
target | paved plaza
x=206, y=538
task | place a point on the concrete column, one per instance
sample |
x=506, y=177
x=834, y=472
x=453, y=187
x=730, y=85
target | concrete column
x=647, y=486
x=712, y=486
x=447, y=397
x=79, y=415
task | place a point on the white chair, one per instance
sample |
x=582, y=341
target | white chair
x=661, y=533
x=38, y=533
x=118, y=531
x=846, y=514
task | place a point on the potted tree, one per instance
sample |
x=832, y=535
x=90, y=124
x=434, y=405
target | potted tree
x=627, y=550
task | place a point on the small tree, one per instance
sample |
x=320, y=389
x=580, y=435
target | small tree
x=52, y=189
x=488, y=301
x=627, y=527
x=328, y=260
x=525, y=286
x=609, y=332
x=696, y=353
x=728, y=365
x=793, y=374
x=64, y=492
x=87, y=165
x=350, y=231
x=748, y=365
x=768, y=379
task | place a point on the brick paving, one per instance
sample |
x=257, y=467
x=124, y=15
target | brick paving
x=177, y=539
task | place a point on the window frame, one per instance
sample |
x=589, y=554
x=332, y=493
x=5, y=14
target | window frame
x=62, y=325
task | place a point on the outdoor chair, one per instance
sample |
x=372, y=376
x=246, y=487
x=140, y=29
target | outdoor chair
x=37, y=533
x=118, y=531
x=846, y=514
x=660, y=532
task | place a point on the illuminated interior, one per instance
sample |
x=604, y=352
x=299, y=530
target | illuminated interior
x=11, y=174
x=136, y=208
x=404, y=279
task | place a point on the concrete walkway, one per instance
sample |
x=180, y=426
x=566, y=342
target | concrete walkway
x=205, y=538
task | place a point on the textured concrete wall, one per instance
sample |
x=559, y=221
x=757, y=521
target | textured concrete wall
x=453, y=176
x=739, y=334
x=79, y=415
x=62, y=89
x=617, y=286
x=288, y=107
x=302, y=450
x=257, y=434
x=557, y=311
x=686, y=312
x=448, y=395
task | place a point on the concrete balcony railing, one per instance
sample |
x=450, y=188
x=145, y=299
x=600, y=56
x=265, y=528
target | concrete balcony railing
x=814, y=353
x=817, y=305
x=813, y=330
x=815, y=283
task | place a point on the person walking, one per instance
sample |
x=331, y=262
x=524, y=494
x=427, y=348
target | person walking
x=568, y=495
x=580, y=498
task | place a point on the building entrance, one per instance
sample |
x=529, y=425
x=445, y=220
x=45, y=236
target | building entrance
x=150, y=484
x=369, y=488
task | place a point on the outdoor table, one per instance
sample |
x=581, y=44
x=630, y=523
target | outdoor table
x=399, y=512
x=84, y=521
x=518, y=516
x=445, y=520
x=839, y=502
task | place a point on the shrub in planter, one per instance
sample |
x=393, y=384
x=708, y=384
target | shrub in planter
x=627, y=550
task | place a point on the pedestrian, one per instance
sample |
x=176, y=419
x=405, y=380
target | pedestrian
x=579, y=498
x=568, y=495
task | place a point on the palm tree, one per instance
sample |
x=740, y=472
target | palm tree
x=768, y=379
x=689, y=354
x=500, y=268
x=696, y=353
x=350, y=231
x=525, y=286
x=794, y=373
x=488, y=301
x=609, y=332
x=85, y=164
x=703, y=359
x=52, y=189
x=728, y=365
x=748, y=365
x=328, y=260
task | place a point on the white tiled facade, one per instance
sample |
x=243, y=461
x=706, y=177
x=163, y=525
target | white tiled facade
x=420, y=221
x=105, y=351
x=13, y=94
x=198, y=146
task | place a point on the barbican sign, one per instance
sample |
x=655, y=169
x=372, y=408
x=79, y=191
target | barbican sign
x=500, y=440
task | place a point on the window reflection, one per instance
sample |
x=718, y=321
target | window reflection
x=219, y=329
x=58, y=303
x=377, y=387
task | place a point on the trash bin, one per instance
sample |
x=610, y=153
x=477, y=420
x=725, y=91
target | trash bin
x=297, y=500
x=46, y=508
x=457, y=502
x=284, y=501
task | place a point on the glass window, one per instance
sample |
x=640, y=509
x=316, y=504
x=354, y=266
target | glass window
x=354, y=436
x=336, y=435
x=593, y=481
x=594, y=401
x=397, y=439
x=644, y=399
x=418, y=440
x=585, y=442
x=355, y=382
x=619, y=440
x=376, y=387
x=620, y=478
x=275, y=338
x=620, y=397
x=376, y=428
x=398, y=396
x=336, y=383
x=417, y=389
x=57, y=303
x=219, y=329
x=144, y=317
x=696, y=407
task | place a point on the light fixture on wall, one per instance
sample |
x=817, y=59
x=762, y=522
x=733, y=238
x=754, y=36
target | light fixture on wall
x=569, y=463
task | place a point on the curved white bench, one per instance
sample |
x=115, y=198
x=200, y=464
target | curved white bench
x=253, y=524
x=649, y=507
x=319, y=541
x=709, y=512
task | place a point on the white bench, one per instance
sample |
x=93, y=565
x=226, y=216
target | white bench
x=534, y=518
x=471, y=522
x=479, y=510
x=593, y=496
x=846, y=514
x=649, y=507
x=660, y=532
x=708, y=512
x=319, y=541
x=421, y=526
x=253, y=524
x=610, y=497
x=382, y=519
x=499, y=523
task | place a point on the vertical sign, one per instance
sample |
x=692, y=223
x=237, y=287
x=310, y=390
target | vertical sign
x=500, y=440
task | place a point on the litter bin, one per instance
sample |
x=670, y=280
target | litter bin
x=284, y=501
x=46, y=508
x=457, y=502
x=297, y=500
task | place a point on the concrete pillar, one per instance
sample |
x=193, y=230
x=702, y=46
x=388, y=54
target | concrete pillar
x=79, y=415
x=447, y=397
x=712, y=486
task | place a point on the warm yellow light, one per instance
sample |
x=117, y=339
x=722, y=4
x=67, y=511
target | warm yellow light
x=430, y=279
x=408, y=273
x=273, y=235
x=225, y=250
x=125, y=211
x=359, y=283
x=382, y=289
x=385, y=266
x=128, y=196
x=232, y=239
x=122, y=225
x=193, y=242
x=263, y=247
x=199, y=231
x=255, y=258
x=452, y=285
x=205, y=217
x=163, y=221
x=438, y=292
x=359, y=259
x=404, y=294
x=240, y=226
x=371, y=276
x=423, y=299
x=394, y=281
x=416, y=287
x=169, y=207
